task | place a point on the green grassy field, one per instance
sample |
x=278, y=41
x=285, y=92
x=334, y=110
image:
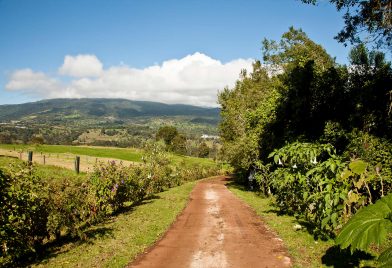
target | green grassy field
x=44, y=172
x=123, y=154
x=120, y=239
x=304, y=249
x=128, y=154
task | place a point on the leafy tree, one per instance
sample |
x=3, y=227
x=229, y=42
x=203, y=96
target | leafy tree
x=203, y=150
x=5, y=138
x=295, y=49
x=371, y=16
x=37, y=140
x=246, y=111
x=369, y=93
x=179, y=144
x=167, y=133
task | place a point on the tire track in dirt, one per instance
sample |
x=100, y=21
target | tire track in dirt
x=216, y=230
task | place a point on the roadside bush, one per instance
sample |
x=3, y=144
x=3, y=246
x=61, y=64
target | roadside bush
x=23, y=214
x=69, y=207
x=375, y=151
x=311, y=181
x=109, y=187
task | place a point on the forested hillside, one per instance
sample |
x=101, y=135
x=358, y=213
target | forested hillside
x=104, y=122
x=99, y=108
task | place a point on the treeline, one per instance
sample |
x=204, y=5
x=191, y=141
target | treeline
x=37, y=211
x=315, y=134
x=38, y=134
x=180, y=144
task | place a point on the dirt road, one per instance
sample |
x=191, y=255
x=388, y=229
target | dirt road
x=216, y=229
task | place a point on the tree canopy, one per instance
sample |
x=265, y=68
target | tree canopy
x=365, y=21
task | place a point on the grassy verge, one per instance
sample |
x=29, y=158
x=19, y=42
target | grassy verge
x=304, y=250
x=118, y=241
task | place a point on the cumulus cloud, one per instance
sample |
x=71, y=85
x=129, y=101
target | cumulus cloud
x=33, y=82
x=81, y=66
x=194, y=79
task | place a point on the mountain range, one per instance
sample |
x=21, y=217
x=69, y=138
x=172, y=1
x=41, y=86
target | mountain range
x=101, y=108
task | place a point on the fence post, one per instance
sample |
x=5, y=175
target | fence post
x=30, y=157
x=44, y=159
x=77, y=164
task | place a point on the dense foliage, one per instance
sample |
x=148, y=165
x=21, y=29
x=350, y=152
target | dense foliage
x=35, y=211
x=317, y=135
x=178, y=143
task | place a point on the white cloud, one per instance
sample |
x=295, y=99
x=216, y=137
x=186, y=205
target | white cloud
x=194, y=79
x=32, y=82
x=81, y=66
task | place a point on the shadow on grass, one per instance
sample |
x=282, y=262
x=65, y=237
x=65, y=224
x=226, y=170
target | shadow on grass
x=63, y=245
x=342, y=258
x=89, y=235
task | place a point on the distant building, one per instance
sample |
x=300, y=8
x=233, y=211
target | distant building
x=209, y=137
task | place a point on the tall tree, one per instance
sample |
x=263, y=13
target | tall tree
x=373, y=17
x=167, y=133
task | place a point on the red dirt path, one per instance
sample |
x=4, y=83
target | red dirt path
x=216, y=229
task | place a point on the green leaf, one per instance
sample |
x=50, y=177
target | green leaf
x=333, y=167
x=271, y=154
x=385, y=258
x=276, y=159
x=325, y=221
x=346, y=174
x=352, y=197
x=334, y=218
x=358, y=166
x=370, y=224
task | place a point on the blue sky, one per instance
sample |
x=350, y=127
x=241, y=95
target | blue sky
x=121, y=38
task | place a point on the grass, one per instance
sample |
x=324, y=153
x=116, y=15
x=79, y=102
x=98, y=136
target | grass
x=128, y=154
x=119, y=240
x=120, y=153
x=44, y=172
x=303, y=248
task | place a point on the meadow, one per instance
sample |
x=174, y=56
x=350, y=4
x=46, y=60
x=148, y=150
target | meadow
x=68, y=153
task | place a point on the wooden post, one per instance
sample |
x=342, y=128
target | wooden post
x=44, y=159
x=77, y=164
x=30, y=157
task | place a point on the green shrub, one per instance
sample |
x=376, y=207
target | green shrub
x=110, y=186
x=69, y=205
x=310, y=180
x=23, y=214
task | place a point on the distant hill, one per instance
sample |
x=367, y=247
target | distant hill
x=87, y=108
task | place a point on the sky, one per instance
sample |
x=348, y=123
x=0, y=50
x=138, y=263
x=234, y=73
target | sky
x=170, y=51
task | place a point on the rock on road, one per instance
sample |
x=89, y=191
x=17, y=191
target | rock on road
x=216, y=229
